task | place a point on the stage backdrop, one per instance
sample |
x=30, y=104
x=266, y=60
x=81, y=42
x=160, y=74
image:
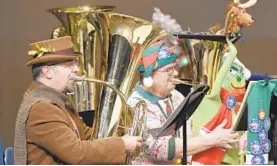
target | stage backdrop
x=26, y=21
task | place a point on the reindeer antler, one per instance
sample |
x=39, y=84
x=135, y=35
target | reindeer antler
x=248, y=4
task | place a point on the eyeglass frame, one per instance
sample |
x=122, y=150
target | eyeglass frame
x=170, y=70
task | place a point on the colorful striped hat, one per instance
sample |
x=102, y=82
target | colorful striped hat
x=155, y=56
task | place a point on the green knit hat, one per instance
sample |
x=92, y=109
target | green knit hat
x=155, y=56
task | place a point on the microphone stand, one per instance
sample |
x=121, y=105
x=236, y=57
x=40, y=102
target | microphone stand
x=185, y=158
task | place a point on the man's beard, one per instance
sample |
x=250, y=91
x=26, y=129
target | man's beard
x=70, y=83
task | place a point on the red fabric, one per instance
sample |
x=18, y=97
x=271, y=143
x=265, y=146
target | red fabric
x=224, y=112
x=214, y=156
x=168, y=108
x=150, y=59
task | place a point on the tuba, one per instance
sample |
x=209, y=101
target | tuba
x=91, y=41
x=204, y=52
x=111, y=44
x=206, y=60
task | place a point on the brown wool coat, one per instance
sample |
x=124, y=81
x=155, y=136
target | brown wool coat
x=52, y=138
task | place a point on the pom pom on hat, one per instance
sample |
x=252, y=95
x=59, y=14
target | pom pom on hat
x=147, y=81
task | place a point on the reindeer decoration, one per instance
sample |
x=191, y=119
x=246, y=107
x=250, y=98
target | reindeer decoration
x=204, y=121
x=236, y=18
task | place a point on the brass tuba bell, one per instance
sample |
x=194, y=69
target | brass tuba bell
x=206, y=59
x=111, y=44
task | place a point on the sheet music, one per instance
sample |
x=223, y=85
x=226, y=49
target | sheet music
x=242, y=106
x=182, y=113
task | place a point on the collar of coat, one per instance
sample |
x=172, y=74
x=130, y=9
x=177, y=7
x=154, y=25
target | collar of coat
x=44, y=91
x=148, y=95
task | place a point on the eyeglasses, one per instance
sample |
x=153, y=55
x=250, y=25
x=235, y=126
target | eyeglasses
x=170, y=70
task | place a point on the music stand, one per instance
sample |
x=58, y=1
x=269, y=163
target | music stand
x=205, y=36
x=179, y=117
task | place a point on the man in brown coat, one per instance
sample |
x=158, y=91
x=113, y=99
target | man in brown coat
x=48, y=130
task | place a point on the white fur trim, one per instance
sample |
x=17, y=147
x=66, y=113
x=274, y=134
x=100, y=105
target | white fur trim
x=148, y=82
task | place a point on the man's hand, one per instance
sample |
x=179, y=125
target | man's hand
x=132, y=143
x=222, y=138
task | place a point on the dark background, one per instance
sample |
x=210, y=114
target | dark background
x=26, y=21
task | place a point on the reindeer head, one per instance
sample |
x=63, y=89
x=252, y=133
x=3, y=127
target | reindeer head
x=237, y=13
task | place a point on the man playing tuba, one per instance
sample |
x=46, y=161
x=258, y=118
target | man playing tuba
x=48, y=130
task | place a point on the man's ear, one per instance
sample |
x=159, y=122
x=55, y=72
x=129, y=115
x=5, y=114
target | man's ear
x=47, y=72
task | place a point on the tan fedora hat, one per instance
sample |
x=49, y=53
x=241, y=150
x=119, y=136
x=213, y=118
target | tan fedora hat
x=52, y=51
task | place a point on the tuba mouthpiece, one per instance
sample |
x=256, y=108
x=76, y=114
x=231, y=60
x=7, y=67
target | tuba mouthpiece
x=77, y=78
x=177, y=81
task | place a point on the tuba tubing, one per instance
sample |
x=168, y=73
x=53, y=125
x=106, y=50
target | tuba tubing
x=118, y=92
x=138, y=126
x=139, y=118
x=79, y=78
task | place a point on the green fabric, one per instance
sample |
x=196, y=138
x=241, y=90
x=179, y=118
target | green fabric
x=166, y=61
x=211, y=104
x=153, y=98
x=171, y=148
x=259, y=98
x=147, y=95
x=148, y=70
x=150, y=50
